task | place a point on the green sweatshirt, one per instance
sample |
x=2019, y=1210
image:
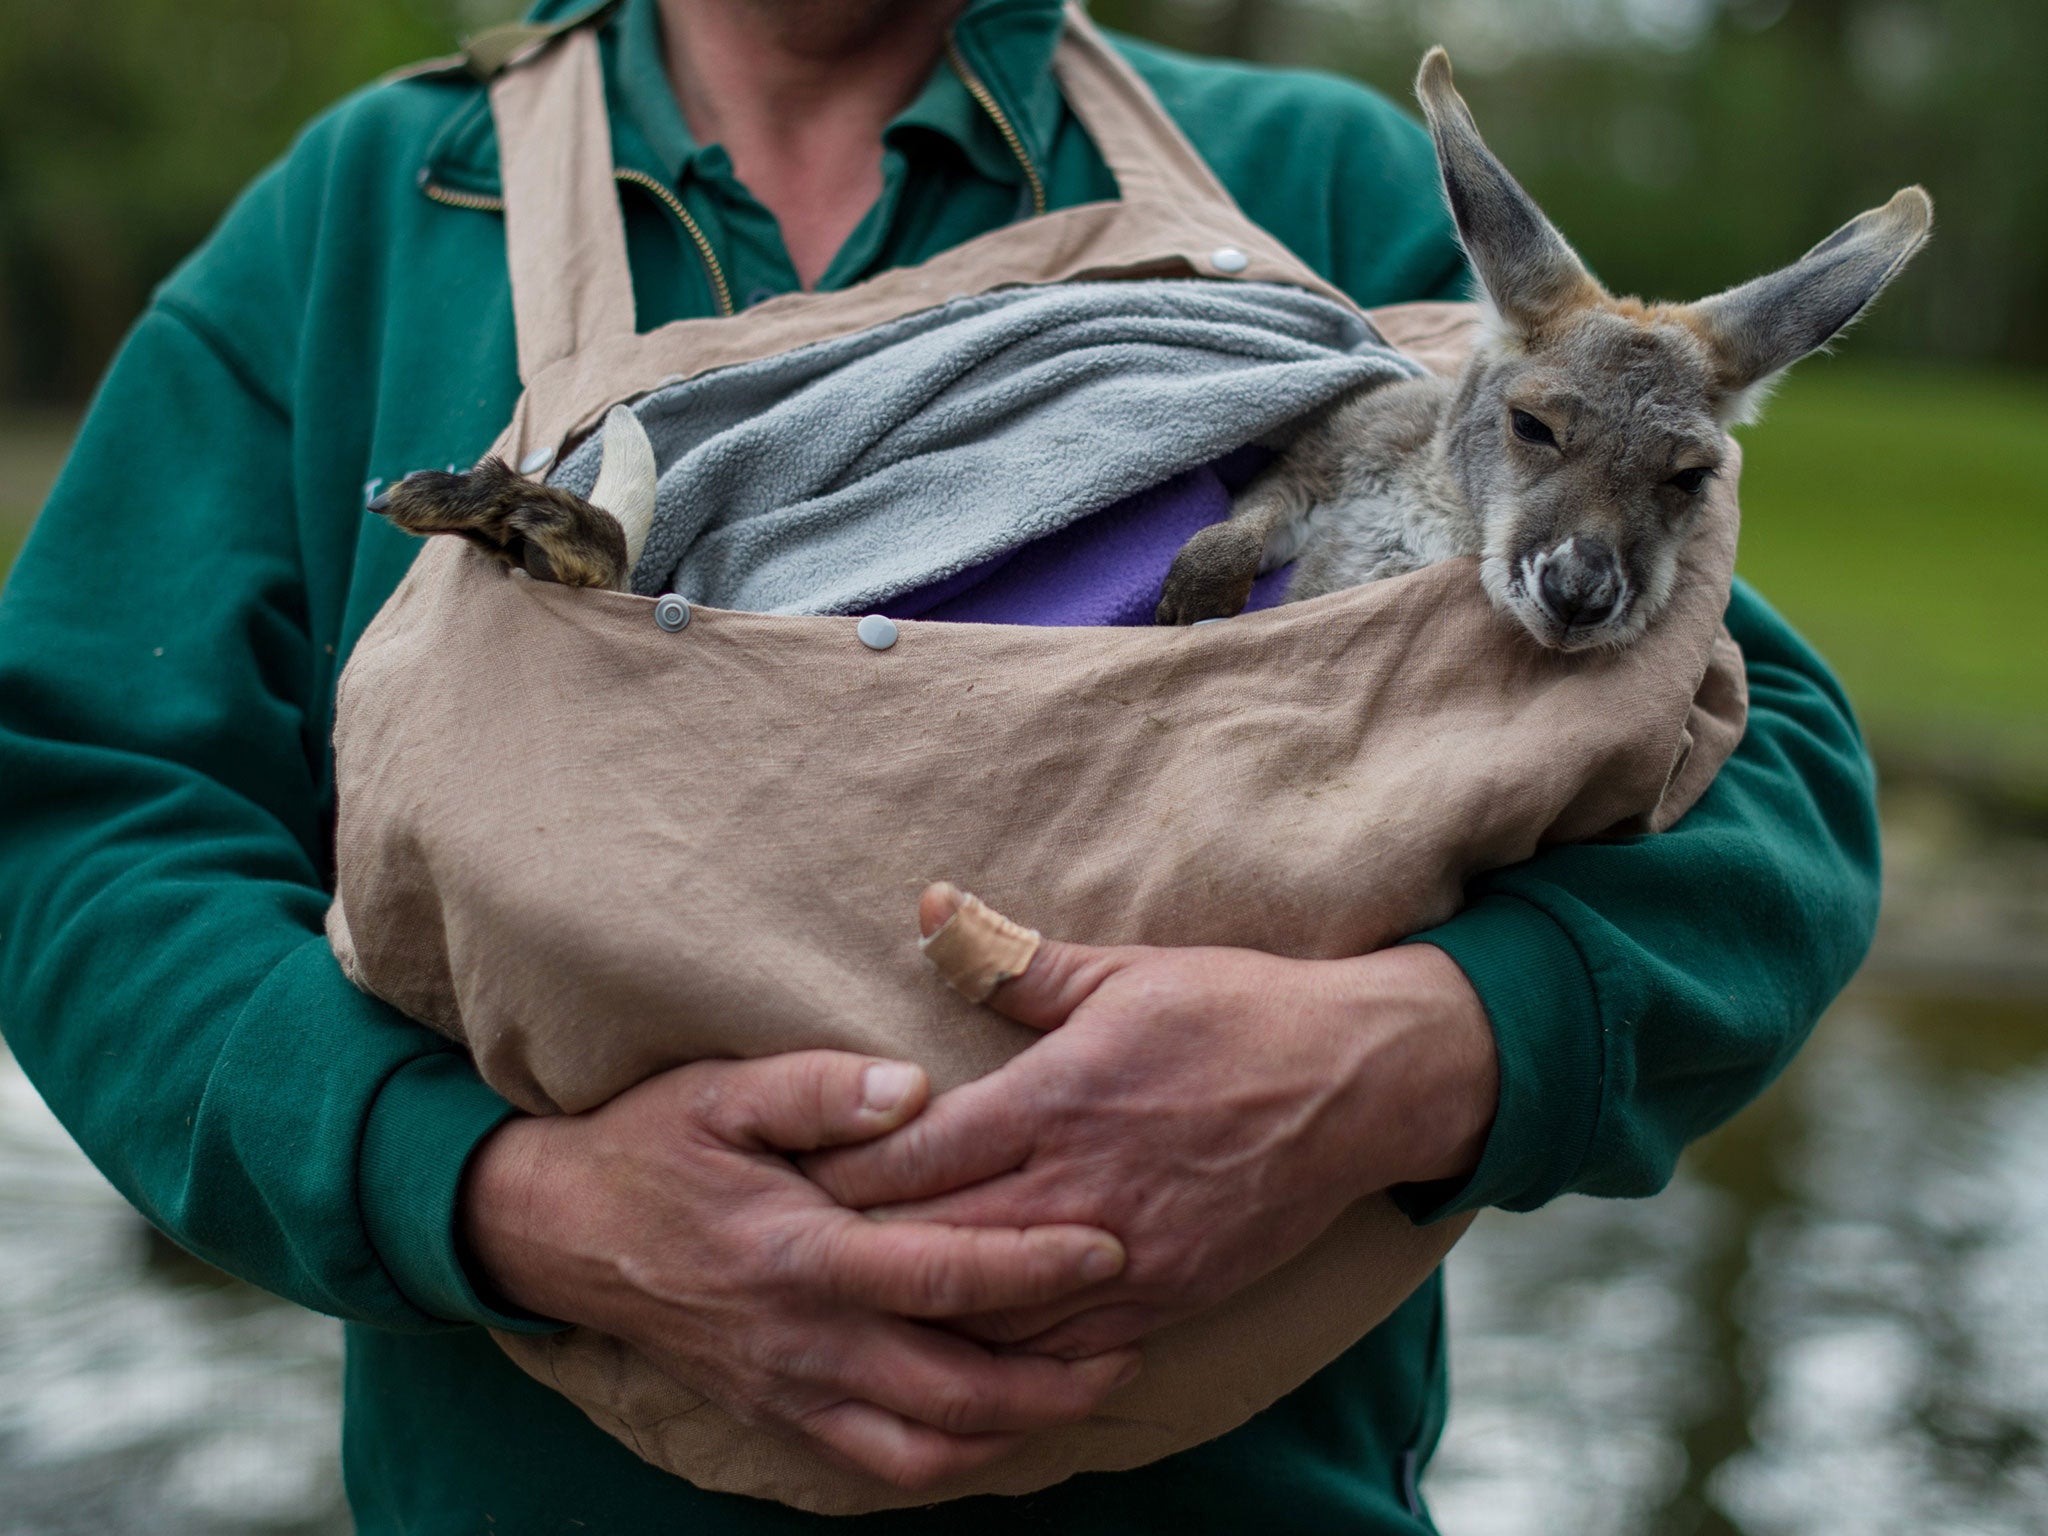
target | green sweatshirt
x=169, y=644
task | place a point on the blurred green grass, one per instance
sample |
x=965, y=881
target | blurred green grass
x=1898, y=515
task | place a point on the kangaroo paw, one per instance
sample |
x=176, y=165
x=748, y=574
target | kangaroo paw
x=550, y=534
x=1212, y=575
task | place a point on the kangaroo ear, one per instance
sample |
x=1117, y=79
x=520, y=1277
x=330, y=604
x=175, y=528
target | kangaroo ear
x=1529, y=273
x=1768, y=324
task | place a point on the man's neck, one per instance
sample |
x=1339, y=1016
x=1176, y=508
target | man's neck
x=798, y=92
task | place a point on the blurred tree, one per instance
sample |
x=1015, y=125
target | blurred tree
x=127, y=125
x=1682, y=144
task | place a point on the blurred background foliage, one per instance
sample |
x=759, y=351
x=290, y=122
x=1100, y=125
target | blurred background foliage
x=1894, y=508
x=127, y=125
x=1682, y=143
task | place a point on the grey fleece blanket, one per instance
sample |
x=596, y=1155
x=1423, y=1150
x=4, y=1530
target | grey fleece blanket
x=835, y=477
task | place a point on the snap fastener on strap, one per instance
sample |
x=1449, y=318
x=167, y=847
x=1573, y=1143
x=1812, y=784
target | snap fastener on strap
x=1229, y=258
x=536, y=461
x=876, y=632
x=672, y=612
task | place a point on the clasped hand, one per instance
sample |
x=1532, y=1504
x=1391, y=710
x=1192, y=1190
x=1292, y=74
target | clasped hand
x=1214, y=1108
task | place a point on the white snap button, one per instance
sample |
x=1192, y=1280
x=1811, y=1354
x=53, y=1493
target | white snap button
x=876, y=632
x=536, y=461
x=1229, y=258
x=672, y=612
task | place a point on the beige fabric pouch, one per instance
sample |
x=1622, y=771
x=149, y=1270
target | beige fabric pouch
x=592, y=850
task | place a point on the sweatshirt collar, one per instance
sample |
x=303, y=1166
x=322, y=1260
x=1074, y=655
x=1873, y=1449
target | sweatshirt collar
x=1006, y=44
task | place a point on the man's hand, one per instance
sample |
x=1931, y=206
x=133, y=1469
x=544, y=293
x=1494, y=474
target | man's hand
x=1215, y=1108
x=670, y=1218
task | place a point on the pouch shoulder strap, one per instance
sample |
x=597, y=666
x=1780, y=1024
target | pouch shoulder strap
x=1138, y=140
x=565, y=241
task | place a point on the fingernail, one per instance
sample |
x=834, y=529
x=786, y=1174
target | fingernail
x=886, y=1085
x=937, y=905
x=1101, y=1262
x=1130, y=1371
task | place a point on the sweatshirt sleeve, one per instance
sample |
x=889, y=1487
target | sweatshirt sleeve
x=1643, y=989
x=163, y=977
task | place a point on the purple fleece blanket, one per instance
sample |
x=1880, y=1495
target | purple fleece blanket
x=1105, y=569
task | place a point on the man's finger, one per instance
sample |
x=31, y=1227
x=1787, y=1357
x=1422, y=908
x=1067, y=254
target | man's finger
x=919, y=1269
x=1024, y=1198
x=952, y=1385
x=911, y=1456
x=1073, y=1326
x=973, y=1133
x=1098, y=1330
x=1058, y=979
x=804, y=1100
x=1015, y=1325
x=1065, y=1330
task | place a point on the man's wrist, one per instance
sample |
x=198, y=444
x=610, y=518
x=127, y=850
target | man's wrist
x=1431, y=1076
x=1469, y=1086
x=496, y=1213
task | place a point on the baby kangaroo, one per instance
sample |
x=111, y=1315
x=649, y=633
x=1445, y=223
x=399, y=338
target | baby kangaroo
x=1570, y=453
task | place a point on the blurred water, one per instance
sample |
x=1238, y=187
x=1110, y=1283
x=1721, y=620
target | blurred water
x=1835, y=1320
x=139, y=1390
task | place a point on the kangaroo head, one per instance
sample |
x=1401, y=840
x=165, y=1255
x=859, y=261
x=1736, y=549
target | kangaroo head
x=1585, y=428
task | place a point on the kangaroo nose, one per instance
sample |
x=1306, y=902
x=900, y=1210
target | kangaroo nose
x=1581, y=583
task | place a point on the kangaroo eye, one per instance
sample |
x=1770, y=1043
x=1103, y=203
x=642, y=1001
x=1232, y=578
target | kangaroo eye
x=1530, y=430
x=1690, y=480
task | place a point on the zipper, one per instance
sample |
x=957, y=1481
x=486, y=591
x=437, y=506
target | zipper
x=695, y=231
x=721, y=291
x=987, y=102
x=475, y=202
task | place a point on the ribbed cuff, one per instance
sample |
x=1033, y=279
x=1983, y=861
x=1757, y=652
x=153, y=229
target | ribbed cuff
x=1545, y=1014
x=424, y=1125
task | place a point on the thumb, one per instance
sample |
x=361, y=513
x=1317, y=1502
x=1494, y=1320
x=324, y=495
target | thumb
x=802, y=1101
x=1015, y=970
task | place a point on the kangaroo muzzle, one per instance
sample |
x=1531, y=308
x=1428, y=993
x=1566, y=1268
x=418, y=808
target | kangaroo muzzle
x=1579, y=585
